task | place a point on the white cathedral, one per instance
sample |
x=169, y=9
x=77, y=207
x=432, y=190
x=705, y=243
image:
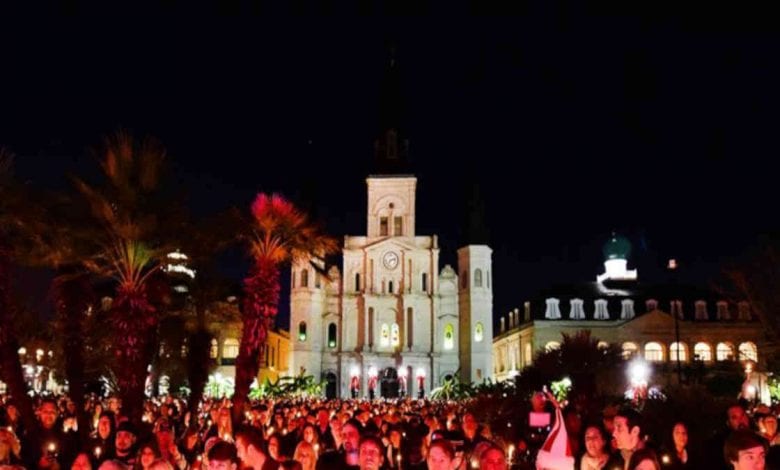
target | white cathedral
x=390, y=322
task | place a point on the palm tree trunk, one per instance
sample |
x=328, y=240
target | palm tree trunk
x=260, y=305
x=198, y=364
x=10, y=366
x=134, y=326
x=73, y=298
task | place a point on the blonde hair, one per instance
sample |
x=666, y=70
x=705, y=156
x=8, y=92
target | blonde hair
x=303, y=445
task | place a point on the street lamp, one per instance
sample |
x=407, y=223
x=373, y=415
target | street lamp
x=638, y=375
x=672, y=266
x=420, y=382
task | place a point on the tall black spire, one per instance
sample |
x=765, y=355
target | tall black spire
x=391, y=147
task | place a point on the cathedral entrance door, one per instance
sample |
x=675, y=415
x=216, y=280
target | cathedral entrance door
x=330, y=385
x=389, y=383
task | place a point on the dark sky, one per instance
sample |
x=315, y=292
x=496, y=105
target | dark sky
x=573, y=121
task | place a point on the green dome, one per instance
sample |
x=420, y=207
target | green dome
x=617, y=247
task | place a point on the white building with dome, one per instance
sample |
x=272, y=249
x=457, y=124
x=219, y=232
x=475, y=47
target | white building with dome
x=391, y=322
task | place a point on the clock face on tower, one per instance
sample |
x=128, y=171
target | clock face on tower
x=390, y=259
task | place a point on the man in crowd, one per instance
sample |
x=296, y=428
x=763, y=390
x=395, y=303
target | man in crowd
x=222, y=456
x=745, y=450
x=124, y=443
x=370, y=455
x=628, y=435
x=736, y=420
x=249, y=447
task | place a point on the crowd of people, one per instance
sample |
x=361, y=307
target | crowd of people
x=311, y=434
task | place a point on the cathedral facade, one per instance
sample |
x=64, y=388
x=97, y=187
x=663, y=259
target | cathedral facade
x=390, y=322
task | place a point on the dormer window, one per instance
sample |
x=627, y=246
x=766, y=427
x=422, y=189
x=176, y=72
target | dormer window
x=626, y=309
x=601, y=312
x=723, y=310
x=701, y=310
x=651, y=304
x=553, y=311
x=383, y=226
x=576, y=312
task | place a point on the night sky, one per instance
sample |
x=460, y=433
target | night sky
x=572, y=122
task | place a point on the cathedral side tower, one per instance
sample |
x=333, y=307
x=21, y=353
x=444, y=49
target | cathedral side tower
x=307, y=306
x=475, y=303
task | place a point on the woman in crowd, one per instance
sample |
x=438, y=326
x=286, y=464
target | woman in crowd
x=596, y=454
x=441, y=455
x=148, y=453
x=305, y=455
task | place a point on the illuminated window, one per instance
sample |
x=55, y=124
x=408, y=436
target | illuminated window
x=302, y=331
x=332, y=335
x=213, y=349
x=654, y=352
x=724, y=352
x=230, y=348
x=478, y=332
x=748, y=352
x=304, y=278
x=629, y=350
x=449, y=336
x=384, y=339
x=477, y=278
x=702, y=352
x=552, y=345
x=529, y=354
x=674, y=348
x=396, y=335
x=383, y=226
x=602, y=345
x=399, y=225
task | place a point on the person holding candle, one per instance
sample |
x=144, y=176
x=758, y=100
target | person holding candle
x=306, y=455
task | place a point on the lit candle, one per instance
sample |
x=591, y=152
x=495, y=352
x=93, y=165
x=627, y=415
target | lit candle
x=398, y=458
x=665, y=459
x=316, y=448
x=510, y=452
x=98, y=450
x=52, y=447
x=270, y=430
x=474, y=464
x=284, y=432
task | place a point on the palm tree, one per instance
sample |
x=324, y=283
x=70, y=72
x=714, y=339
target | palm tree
x=129, y=241
x=12, y=224
x=279, y=234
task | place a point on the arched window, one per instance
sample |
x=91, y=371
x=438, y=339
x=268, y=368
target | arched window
x=214, y=349
x=302, y=331
x=425, y=282
x=552, y=345
x=602, y=345
x=230, y=348
x=384, y=338
x=477, y=278
x=390, y=287
x=629, y=350
x=332, y=335
x=724, y=352
x=478, y=332
x=304, y=278
x=748, y=352
x=654, y=352
x=529, y=354
x=449, y=336
x=702, y=352
x=395, y=335
x=676, y=348
x=357, y=282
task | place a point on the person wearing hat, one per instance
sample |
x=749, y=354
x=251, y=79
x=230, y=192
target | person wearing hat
x=124, y=443
x=555, y=453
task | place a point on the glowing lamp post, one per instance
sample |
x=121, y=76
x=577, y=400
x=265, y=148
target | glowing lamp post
x=354, y=385
x=638, y=375
x=402, y=382
x=372, y=378
x=420, y=382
